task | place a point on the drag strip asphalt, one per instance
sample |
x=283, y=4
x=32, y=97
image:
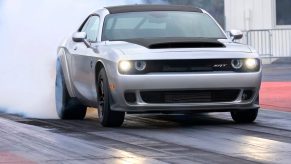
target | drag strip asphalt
x=199, y=138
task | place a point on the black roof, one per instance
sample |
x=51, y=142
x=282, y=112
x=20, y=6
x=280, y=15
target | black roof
x=140, y=8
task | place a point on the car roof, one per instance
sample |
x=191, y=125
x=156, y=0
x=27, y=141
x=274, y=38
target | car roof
x=141, y=8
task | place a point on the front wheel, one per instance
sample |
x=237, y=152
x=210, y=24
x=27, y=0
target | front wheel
x=245, y=116
x=107, y=117
x=67, y=107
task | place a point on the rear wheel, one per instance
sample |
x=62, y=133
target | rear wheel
x=107, y=117
x=245, y=116
x=67, y=107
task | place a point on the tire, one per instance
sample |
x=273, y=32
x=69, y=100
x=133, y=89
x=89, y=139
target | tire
x=107, y=117
x=67, y=107
x=245, y=116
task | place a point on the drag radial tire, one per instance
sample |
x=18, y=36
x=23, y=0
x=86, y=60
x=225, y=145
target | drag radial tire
x=107, y=117
x=245, y=116
x=67, y=107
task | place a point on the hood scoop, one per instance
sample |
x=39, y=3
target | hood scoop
x=163, y=43
x=186, y=45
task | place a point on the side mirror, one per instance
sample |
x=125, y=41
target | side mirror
x=79, y=36
x=236, y=34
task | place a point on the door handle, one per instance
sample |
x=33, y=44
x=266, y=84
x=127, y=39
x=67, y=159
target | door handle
x=75, y=48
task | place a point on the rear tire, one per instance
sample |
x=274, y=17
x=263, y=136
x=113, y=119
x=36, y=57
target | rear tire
x=67, y=107
x=107, y=117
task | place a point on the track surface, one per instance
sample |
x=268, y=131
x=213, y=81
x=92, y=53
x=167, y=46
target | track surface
x=276, y=87
x=276, y=95
x=208, y=138
x=201, y=138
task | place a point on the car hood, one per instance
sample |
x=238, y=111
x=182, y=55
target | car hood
x=141, y=46
x=140, y=51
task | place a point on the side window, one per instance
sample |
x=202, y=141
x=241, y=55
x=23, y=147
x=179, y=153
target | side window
x=91, y=28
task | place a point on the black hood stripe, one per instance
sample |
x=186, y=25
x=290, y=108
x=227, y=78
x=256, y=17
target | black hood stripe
x=160, y=43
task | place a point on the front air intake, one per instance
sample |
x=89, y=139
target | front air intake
x=190, y=96
x=187, y=45
x=130, y=97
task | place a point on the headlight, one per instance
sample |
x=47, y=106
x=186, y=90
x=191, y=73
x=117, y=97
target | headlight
x=236, y=63
x=125, y=66
x=140, y=65
x=251, y=63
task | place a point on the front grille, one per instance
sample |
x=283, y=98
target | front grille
x=195, y=65
x=189, y=96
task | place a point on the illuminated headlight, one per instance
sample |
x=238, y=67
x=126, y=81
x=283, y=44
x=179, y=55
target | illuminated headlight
x=140, y=65
x=251, y=63
x=125, y=66
x=237, y=63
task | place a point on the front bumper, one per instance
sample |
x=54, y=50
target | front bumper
x=184, y=81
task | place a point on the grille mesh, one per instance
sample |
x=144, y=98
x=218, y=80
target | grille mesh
x=193, y=96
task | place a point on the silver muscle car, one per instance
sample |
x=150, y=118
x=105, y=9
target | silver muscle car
x=155, y=58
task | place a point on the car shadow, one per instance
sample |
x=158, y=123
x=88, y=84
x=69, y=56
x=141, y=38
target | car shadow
x=132, y=121
x=175, y=121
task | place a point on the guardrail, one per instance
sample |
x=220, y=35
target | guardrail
x=270, y=43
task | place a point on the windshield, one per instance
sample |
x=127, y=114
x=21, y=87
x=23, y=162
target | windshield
x=160, y=24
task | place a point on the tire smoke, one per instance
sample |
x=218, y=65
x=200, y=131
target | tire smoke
x=30, y=32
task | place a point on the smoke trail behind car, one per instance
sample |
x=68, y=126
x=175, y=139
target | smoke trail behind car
x=30, y=32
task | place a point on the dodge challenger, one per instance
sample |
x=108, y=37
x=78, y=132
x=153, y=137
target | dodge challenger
x=155, y=59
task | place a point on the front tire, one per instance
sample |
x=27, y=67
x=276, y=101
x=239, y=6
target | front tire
x=245, y=116
x=107, y=117
x=67, y=107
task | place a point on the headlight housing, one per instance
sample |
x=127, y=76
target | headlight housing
x=132, y=67
x=140, y=65
x=124, y=66
x=251, y=64
x=245, y=65
x=237, y=64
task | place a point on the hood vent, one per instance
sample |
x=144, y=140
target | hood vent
x=186, y=45
x=161, y=43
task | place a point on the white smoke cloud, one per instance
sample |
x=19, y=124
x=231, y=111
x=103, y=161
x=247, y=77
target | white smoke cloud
x=30, y=32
